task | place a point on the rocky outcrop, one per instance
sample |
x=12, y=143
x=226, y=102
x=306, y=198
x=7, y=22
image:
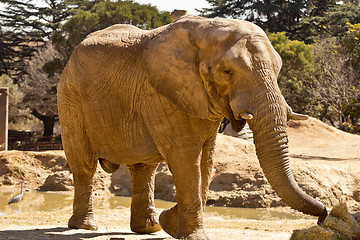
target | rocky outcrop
x=59, y=181
x=340, y=224
x=33, y=167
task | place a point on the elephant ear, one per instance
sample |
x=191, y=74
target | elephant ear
x=172, y=66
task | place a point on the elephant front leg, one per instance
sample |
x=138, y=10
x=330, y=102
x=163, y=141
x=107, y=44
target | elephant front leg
x=83, y=216
x=79, y=156
x=185, y=220
x=206, y=168
x=144, y=218
x=169, y=218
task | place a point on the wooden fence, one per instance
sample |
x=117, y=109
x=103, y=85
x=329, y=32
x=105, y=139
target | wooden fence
x=30, y=141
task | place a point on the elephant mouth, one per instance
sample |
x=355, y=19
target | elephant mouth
x=236, y=125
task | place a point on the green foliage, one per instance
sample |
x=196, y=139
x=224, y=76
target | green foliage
x=273, y=16
x=328, y=22
x=295, y=77
x=25, y=28
x=351, y=44
x=304, y=20
x=318, y=80
x=106, y=13
x=102, y=14
x=13, y=51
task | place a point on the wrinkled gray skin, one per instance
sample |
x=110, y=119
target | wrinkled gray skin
x=137, y=97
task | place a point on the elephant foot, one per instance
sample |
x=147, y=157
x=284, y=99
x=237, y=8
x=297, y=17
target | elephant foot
x=169, y=221
x=82, y=221
x=145, y=223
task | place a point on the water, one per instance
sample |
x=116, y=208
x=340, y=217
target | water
x=52, y=201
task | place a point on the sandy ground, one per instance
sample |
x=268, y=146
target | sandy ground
x=327, y=158
x=114, y=224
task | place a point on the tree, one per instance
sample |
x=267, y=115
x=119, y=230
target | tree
x=16, y=47
x=325, y=20
x=351, y=44
x=17, y=110
x=303, y=20
x=337, y=89
x=296, y=75
x=273, y=16
x=25, y=28
x=40, y=89
x=352, y=2
x=45, y=67
x=104, y=14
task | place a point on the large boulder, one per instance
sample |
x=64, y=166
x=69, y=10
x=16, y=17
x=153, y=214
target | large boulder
x=59, y=181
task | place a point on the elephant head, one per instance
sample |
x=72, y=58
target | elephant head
x=211, y=68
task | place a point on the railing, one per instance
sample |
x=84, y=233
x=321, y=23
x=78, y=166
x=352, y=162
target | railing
x=29, y=141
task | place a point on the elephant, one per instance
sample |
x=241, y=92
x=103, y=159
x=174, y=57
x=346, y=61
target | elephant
x=140, y=97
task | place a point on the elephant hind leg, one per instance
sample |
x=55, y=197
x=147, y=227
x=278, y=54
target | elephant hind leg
x=83, y=216
x=108, y=166
x=144, y=218
x=79, y=156
x=83, y=167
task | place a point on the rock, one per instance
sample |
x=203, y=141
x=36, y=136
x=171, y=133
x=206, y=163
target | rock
x=164, y=185
x=356, y=195
x=59, y=181
x=340, y=224
x=121, y=182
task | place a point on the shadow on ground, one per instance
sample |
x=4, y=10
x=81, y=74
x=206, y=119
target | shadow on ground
x=63, y=233
x=309, y=158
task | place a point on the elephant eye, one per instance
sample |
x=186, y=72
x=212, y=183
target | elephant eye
x=228, y=72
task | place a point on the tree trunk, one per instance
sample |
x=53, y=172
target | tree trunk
x=48, y=127
x=48, y=122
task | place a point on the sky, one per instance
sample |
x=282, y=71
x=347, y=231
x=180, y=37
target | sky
x=171, y=5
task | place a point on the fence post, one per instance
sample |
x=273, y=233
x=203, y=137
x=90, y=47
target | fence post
x=4, y=92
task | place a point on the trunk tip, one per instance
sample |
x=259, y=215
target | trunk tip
x=317, y=209
x=322, y=216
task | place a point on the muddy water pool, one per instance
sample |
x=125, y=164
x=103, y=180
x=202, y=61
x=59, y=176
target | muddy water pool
x=52, y=201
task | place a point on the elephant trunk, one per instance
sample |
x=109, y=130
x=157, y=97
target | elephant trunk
x=273, y=155
x=271, y=142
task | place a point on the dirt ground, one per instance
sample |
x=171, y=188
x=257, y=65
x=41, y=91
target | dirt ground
x=324, y=160
x=114, y=224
